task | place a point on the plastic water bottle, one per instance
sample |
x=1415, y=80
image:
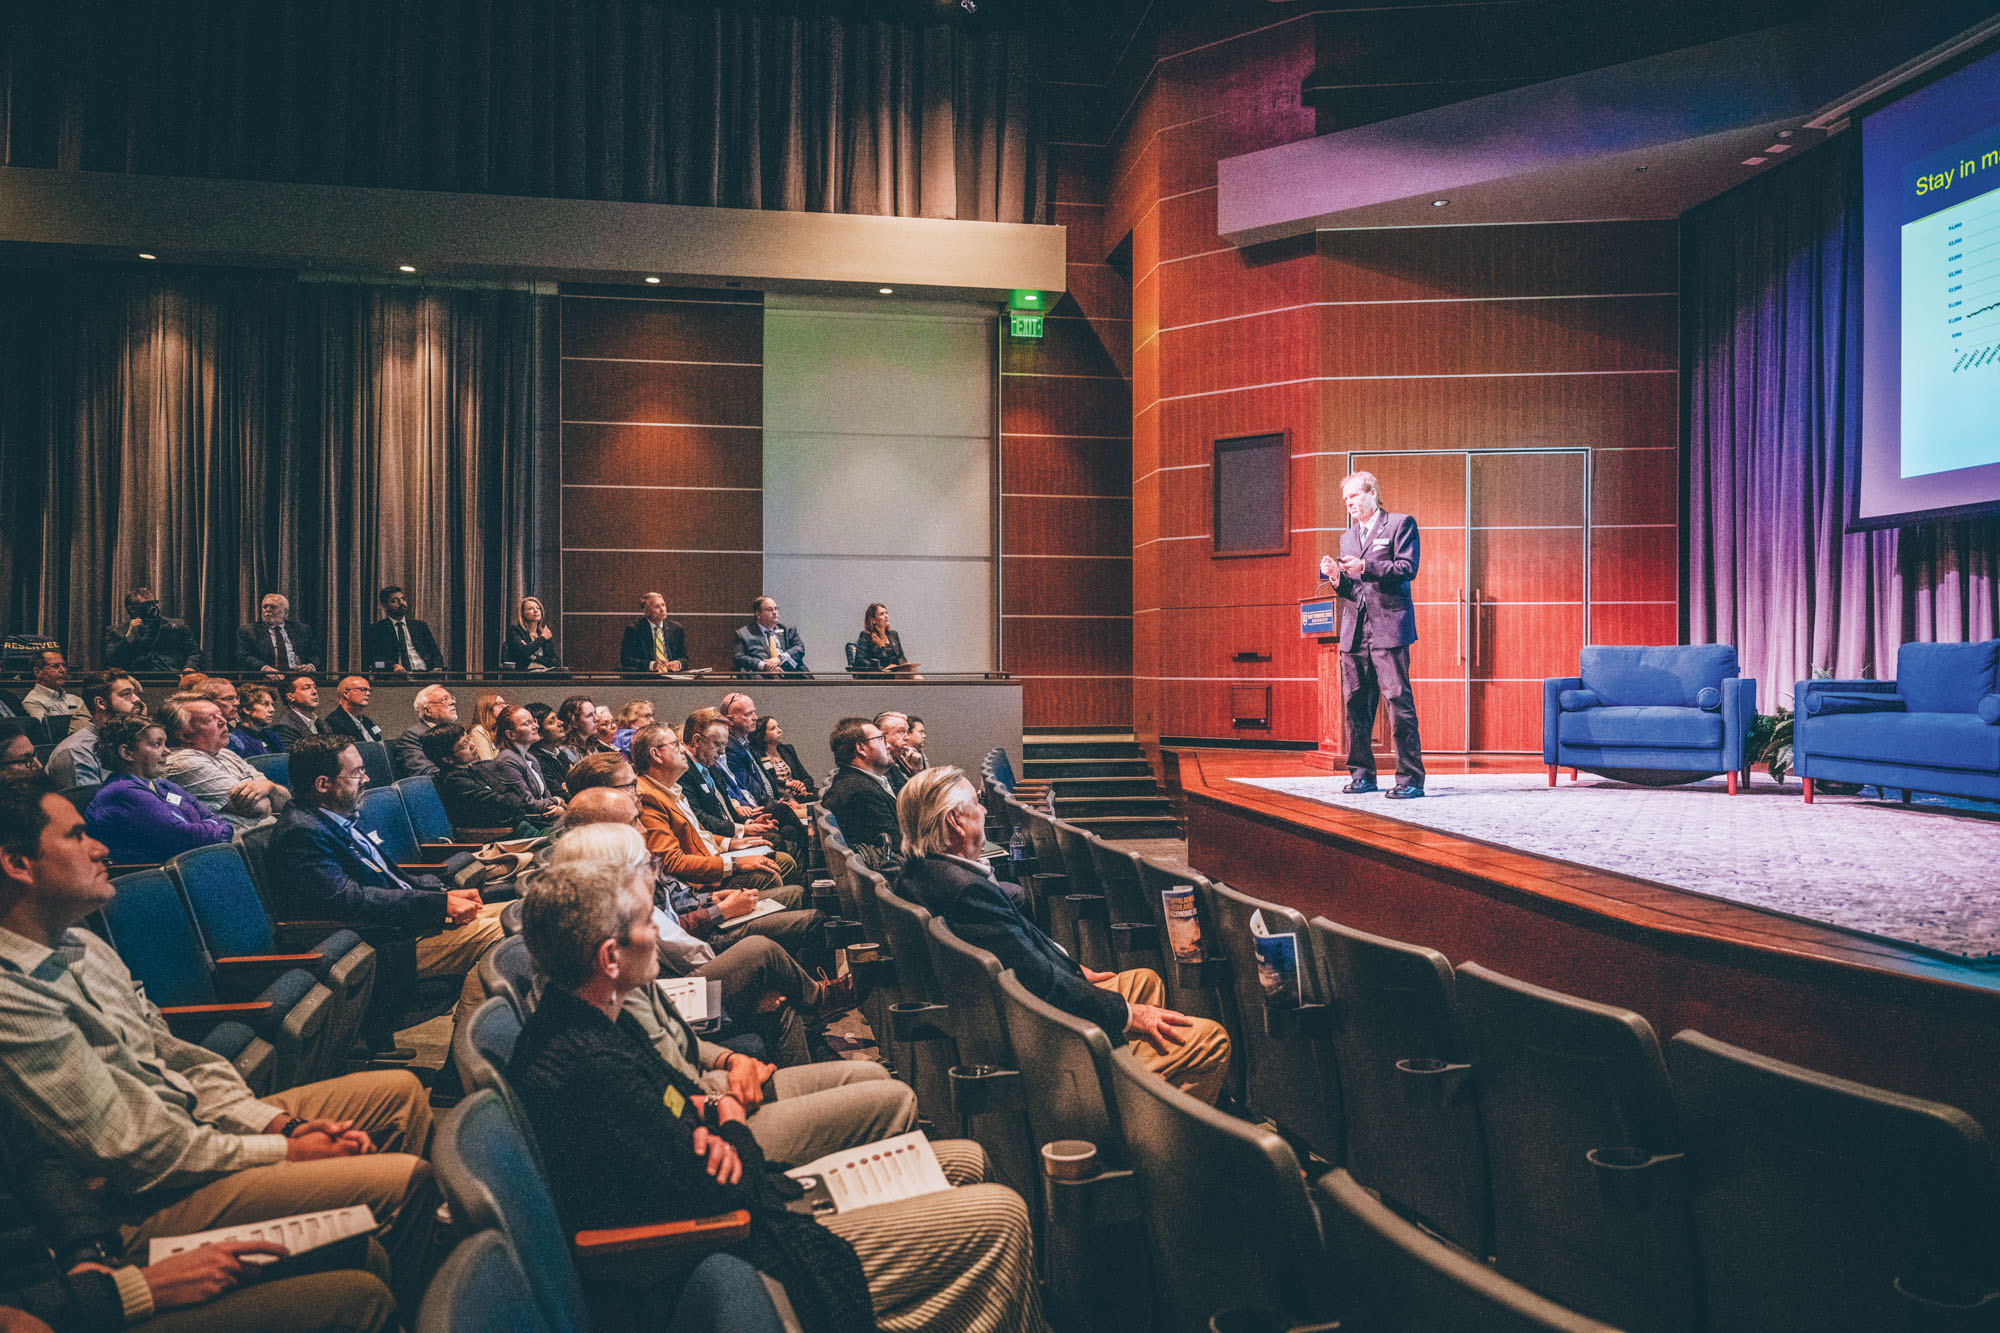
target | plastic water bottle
x=1017, y=848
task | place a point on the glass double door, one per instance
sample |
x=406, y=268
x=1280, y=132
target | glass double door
x=1501, y=594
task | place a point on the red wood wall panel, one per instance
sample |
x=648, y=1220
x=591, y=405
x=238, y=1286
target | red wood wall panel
x=1458, y=338
x=662, y=471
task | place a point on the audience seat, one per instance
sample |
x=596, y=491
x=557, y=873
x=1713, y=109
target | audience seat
x=1192, y=989
x=1226, y=1209
x=1413, y=1133
x=427, y=815
x=150, y=927
x=1289, y=1072
x=276, y=766
x=482, y=1048
x=384, y=816
x=510, y=917
x=480, y=1288
x=1077, y=918
x=987, y=1082
x=1590, y=1203
x=491, y=1180
x=508, y=971
x=1094, y=1254
x=1825, y=1204
x=375, y=759
x=1134, y=932
x=917, y=1035
x=81, y=797
x=239, y=936
x=1395, y=1277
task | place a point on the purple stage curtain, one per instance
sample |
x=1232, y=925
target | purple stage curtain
x=1771, y=276
x=218, y=435
x=733, y=106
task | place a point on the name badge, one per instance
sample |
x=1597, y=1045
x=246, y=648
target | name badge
x=1381, y=541
x=375, y=838
x=173, y=798
x=675, y=1102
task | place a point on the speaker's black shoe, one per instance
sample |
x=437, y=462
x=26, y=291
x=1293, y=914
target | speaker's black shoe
x=1406, y=791
x=1358, y=786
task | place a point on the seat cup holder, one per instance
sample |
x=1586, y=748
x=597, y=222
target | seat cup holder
x=978, y=1089
x=825, y=898
x=918, y=1020
x=1248, y=1319
x=1631, y=1178
x=841, y=932
x=1294, y=1020
x=1433, y=1083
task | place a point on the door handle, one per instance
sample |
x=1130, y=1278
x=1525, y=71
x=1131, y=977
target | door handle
x=1464, y=629
x=1473, y=615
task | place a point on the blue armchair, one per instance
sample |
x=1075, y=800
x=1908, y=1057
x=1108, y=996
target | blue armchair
x=1934, y=728
x=1678, y=710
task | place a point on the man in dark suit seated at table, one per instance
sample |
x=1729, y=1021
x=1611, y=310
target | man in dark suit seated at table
x=149, y=641
x=276, y=643
x=767, y=647
x=943, y=825
x=399, y=641
x=349, y=718
x=859, y=797
x=652, y=642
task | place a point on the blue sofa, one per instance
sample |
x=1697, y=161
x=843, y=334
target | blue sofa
x=1677, y=710
x=1934, y=728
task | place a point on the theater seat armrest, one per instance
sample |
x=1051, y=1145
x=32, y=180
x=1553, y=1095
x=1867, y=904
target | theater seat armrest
x=447, y=850
x=706, y=1232
x=472, y=839
x=191, y=1021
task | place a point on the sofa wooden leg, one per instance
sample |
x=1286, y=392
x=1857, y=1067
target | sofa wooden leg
x=1572, y=775
x=1808, y=783
x=1907, y=795
x=1552, y=775
x=1732, y=782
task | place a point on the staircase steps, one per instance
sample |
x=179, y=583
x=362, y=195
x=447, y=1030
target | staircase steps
x=1101, y=783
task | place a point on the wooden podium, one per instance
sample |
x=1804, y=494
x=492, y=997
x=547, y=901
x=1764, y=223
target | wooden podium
x=1319, y=622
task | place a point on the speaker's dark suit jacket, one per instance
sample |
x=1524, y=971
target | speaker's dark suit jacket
x=1381, y=596
x=980, y=912
x=320, y=875
x=635, y=650
x=380, y=650
x=863, y=808
x=255, y=648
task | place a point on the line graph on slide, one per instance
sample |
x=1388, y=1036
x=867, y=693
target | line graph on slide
x=1951, y=333
x=1971, y=237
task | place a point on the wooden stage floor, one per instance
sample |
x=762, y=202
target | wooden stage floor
x=1844, y=1004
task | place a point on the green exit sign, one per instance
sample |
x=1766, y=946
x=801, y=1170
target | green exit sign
x=1024, y=323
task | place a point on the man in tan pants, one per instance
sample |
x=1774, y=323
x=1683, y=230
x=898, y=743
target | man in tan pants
x=181, y=1143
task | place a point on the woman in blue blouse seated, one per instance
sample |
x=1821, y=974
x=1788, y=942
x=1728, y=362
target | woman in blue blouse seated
x=139, y=815
x=878, y=648
x=252, y=734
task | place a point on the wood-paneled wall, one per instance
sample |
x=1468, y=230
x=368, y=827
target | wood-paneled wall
x=1065, y=464
x=1447, y=338
x=662, y=464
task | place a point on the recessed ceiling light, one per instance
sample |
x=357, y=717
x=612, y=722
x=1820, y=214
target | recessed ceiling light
x=144, y=255
x=1439, y=203
x=406, y=268
x=886, y=291
x=654, y=281
x=1754, y=161
x=1779, y=148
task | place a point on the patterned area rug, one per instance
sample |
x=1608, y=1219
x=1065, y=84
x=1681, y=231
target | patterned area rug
x=1920, y=875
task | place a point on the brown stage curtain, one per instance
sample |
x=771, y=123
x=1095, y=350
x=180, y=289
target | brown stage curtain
x=218, y=436
x=633, y=100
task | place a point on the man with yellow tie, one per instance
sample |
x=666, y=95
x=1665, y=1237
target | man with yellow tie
x=652, y=642
x=766, y=647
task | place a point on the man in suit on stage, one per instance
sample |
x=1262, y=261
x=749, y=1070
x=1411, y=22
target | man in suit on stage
x=276, y=644
x=767, y=646
x=652, y=642
x=1378, y=559
x=399, y=641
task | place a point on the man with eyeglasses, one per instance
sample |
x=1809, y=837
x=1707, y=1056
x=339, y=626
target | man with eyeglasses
x=859, y=796
x=107, y=695
x=17, y=751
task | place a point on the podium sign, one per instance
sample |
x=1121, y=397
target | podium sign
x=1319, y=618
